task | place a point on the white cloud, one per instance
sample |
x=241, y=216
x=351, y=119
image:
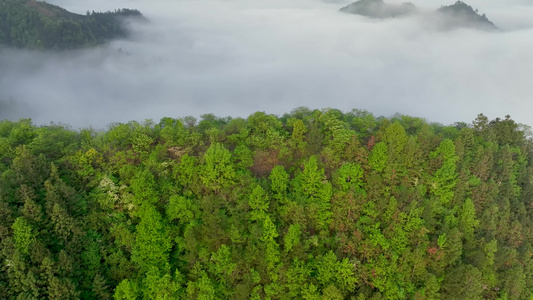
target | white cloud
x=235, y=57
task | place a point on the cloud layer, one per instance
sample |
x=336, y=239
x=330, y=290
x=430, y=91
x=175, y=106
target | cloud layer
x=235, y=57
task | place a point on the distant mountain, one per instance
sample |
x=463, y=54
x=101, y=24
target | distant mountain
x=38, y=25
x=461, y=14
x=447, y=17
x=379, y=9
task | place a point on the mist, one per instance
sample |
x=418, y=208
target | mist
x=235, y=57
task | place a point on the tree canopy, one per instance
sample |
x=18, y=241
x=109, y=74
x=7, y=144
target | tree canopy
x=315, y=204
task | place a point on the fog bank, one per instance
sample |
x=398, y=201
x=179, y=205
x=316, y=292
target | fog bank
x=240, y=56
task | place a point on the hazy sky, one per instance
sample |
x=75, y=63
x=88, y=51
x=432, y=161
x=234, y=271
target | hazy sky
x=235, y=57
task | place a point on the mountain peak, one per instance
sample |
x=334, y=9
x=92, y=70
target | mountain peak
x=379, y=9
x=453, y=16
x=461, y=14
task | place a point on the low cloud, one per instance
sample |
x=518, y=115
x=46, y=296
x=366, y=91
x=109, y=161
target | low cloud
x=241, y=56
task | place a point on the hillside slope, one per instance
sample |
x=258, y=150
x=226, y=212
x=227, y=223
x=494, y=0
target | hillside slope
x=461, y=14
x=457, y=15
x=38, y=25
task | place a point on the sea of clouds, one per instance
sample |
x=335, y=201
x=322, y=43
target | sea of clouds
x=235, y=57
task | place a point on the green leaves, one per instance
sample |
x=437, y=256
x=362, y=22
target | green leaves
x=217, y=172
x=395, y=138
x=258, y=202
x=170, y=211
x=316, y=192
x=152, y=242
x=467, y=219
x=127, y=290
x=292, y=237
x=441, y=242
x=313, y=181
x=144, y=188
x=280, y=181
x=445, y=178
x=182, y=208
x=269, y=230
x=159, y=286
x=23, y=234
x=379, y=157
x=222, y=263
x=349, y=176
x=331, y=272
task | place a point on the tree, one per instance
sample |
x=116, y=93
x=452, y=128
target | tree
x=127, y=289
x=218, y=170
x=395, y=137
x=144, y=188
x=316, y=192
x=152, y=243
x=258, y=203
x=464, y=282
x=279, y=179
x=292, y=237
x=349, y=177
x=222, y=266
x=379, y=157
x=181, y=208
x=445, y=178
x=467, y=219
x=160, y=287
x=23, y=234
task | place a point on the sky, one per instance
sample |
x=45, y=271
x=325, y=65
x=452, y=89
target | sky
x=236, y=57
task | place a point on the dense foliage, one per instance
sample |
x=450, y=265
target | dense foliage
x=310, y=205
x=39, y=25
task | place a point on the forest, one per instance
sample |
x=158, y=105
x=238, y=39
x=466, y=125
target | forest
x=313, y=204
x=41, y=26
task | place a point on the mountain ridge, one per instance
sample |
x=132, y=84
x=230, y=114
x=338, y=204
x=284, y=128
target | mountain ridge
x=452, y=16
x=39, y=25
x=379, y=9
x=461, y=14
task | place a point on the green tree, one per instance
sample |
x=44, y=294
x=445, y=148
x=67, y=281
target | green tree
x=379, y=157
x=467, y=219
x=152, y=242
x=349, y=177
x=258, y=202
x=127, y=289
x=445, y=178
x=279, y=179
x=218, y=169
x=292, y=237
x=463, y=282
x=23, y=234
x=317, y=192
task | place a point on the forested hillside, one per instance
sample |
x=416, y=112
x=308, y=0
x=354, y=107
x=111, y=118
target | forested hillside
x=310, y=205
x=461, y=14
x=457, y=15
x=38, y=25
